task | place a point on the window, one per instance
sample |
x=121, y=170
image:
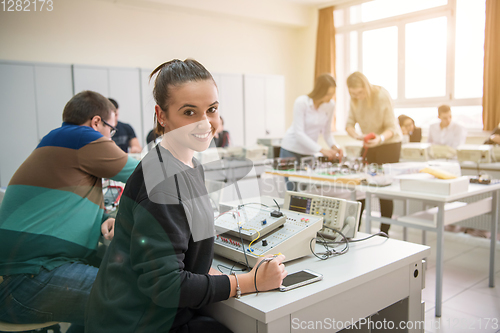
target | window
x=469, y=48
x=424, y=52
x=380, y=9
x=425, y=58
x=380, y=58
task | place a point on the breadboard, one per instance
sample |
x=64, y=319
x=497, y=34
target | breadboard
x=251, y=221
x=292, y=239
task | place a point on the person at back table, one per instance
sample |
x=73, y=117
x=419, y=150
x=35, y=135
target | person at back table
x=313, y=115
x=221, y=137
x=125, y=137
x=371, y=108
x=410, y=132
x=447, y=132
x=52, y=216
x=494, y=138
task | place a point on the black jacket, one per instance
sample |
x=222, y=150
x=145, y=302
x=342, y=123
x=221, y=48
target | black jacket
x=154, y=273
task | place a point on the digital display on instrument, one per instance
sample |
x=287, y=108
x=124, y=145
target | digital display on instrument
x=300, y=204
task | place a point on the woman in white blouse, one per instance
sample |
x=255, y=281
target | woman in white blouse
x=312, y=116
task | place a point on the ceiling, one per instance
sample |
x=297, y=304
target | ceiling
x=317, y=3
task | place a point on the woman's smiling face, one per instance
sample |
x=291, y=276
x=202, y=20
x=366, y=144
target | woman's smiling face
x=192, y=117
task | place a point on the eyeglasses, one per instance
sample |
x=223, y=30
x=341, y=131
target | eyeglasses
x=113, y=129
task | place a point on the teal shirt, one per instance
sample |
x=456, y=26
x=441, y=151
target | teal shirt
x=53, y=207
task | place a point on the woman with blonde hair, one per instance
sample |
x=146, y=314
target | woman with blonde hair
x=371, y=108
x=312, y=115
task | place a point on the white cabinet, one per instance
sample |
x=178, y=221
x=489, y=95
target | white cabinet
x=32, y=99
x=125, y=88
x=121, y=84
x=148, y=102
x=53, y=88
x=18, y=128
x=275, y=106
x=231, y=105
x=264, y=105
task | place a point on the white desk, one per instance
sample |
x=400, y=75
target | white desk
x=443, y=217
x=341, y=182
x=371, y=276
x=472, y=169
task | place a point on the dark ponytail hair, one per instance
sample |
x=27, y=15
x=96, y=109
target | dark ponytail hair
x=323, y=82
x=175, y=73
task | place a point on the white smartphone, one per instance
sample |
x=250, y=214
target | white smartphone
x=299, y=279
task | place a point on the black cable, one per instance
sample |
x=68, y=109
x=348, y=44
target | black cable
x=330, y=252
x=231, y=269
x=257, y=268
x=243, y=247
x=380, y=233
x=237, y=188
x=241, y=237
x=277, y=205
x=253, y=203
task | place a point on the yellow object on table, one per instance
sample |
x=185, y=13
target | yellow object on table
x=438, y=173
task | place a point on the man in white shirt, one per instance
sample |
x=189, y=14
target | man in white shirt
x=447, y=132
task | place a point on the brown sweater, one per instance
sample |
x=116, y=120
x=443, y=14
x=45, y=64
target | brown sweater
x=375, y=118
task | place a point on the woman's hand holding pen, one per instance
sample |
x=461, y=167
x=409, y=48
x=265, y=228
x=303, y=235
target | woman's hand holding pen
x=269, y=275
x=266, y=276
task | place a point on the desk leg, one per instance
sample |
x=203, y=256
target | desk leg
x=406, y=211
x=424, y=233
x=494, y=231
x=368, y=213
x=439, y=258
x=353, y=194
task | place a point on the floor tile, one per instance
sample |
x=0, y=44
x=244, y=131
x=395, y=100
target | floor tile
x=451, y=251
x=477, y=258
x=459, y=277
x=483, y=286
x=449, y=290
x=475, y=303
x=429, y=305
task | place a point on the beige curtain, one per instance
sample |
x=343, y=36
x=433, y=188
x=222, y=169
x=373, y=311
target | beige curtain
x=325, y=43
x=491, y=81
x=325, y=46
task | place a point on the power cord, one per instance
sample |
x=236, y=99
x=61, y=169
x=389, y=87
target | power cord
x=243, y=247
x=329, y=251
x=380, y=233
x=252, y=203
x=279, y=209
x=231, y=269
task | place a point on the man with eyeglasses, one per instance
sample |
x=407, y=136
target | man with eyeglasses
x=52, y=216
